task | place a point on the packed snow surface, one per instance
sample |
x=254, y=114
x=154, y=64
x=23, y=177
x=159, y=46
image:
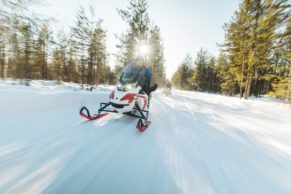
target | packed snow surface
x=197, y=143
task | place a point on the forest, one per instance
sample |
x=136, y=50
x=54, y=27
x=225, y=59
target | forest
x=29, y=49
x=254, y=58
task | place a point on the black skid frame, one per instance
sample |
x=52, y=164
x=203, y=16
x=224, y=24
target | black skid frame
x=143, y=114
x=136, y=112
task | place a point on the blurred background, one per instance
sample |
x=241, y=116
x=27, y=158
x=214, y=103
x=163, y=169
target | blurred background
x=234, y=48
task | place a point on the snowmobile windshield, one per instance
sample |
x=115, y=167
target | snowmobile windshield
x=129, y=74
x=125, y=88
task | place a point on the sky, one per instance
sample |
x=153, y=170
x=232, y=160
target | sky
x=185, y=25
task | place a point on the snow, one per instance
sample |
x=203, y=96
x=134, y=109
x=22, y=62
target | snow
x=197, y=143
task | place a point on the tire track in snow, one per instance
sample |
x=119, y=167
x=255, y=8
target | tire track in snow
x=185, y=150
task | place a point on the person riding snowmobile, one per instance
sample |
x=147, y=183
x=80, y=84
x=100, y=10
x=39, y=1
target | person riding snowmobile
x=141, y=75
x=144, y=80
x=131, y=98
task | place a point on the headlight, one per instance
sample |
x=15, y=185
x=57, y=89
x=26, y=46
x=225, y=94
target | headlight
x=128, y=87
x=125, y=88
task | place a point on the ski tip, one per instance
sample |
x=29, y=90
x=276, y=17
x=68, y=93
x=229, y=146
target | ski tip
x=144, y=127
x=94, y=117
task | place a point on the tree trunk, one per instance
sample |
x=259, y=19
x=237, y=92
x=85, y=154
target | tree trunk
x=249, y=82
x=289, y=86
x=252, y=61
x=241, y=92
x=2, y=61
x=248, y=89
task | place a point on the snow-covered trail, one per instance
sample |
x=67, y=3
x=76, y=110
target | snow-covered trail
x=197, y=143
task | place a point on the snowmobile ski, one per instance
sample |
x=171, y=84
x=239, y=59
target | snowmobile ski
x=142, y=126
x=84, y=112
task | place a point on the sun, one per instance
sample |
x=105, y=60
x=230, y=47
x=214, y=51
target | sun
x=142, y=49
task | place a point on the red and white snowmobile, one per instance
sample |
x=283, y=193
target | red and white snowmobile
x=129, y=100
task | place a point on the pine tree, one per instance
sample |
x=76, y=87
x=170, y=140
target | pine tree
x=181, y=77
x=250, y=40
x=156, y=57
x=59, y=68
x=97, y=56
x=213, y=84
x=20, y=29
x=288, y=54
x=197, y=80
x=56, y=67
x=136, y=16
x=225, y=76
x=27, y=51
x=81, y=37
x=41, y=52
x=141, y=32
x=73, y=73
x=26, y=43
x=90, y=47
x=281, y=80
x=238, y=45
x=2, y=49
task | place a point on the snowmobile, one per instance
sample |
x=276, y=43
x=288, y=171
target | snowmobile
x=127, y=99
